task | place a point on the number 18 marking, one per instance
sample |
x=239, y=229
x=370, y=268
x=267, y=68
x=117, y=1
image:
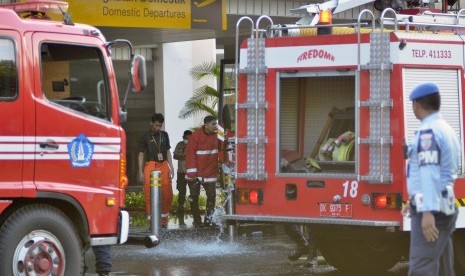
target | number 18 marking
x=353, y=188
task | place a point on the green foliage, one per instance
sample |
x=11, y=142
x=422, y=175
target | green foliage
x=174, y=205
x=135, y=200
x=205, y=98
x=205, y=70
x=202, y=202
x=139, y=220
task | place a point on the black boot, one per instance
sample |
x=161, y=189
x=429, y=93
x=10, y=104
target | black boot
x=293, y=231
x=312, y=257
x=180, y=215
x=198, y=223
x=181, y=220
x=297, y=253
x=310, y=262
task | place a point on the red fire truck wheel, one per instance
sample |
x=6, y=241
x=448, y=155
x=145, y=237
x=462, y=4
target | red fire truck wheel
x=40, y=240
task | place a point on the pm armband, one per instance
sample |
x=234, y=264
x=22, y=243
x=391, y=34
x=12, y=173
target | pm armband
x=447, y=203
x=428, y=149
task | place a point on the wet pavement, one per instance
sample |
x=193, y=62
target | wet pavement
x=190, y=251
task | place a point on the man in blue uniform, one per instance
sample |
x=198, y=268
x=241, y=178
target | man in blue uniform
x=434, y=155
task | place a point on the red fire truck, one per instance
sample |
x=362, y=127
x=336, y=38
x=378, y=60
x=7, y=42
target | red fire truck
x=322, y=115
x=62, y=147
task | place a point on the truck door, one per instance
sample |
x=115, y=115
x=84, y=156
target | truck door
x=79, y=143
x=14, y=145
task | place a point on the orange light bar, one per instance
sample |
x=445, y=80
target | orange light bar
x=123, y=178
x=43, y=6
x=325, y=17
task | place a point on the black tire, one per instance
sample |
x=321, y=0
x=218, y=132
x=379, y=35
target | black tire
x=40, y=234
x=360, y=251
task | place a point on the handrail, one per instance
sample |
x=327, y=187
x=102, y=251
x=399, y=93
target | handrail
x=382, y=18
x=257, y=28
x=358, y=32
x=458, y=15
x=357, y=90
x=441, y=20
x=236, y=72
x=285, y=27
x=382, y=148
x=457, y=19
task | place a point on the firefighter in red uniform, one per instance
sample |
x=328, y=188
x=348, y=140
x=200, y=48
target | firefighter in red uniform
x=202, y=168
x=155, y=144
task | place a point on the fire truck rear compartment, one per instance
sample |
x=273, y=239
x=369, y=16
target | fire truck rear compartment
x=316, y=123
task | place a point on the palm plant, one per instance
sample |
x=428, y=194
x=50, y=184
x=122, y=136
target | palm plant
x=205, y=98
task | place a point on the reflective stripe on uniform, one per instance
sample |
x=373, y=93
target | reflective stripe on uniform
x=205, y=152
x=205, y=179
x=191, y=170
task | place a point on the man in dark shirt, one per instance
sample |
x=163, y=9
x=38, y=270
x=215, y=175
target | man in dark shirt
x=181, y=183
x=154, y=145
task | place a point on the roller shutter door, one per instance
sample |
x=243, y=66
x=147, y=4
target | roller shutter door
x=448, y=81
x=289, y=115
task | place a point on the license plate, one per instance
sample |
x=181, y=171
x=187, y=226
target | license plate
x=335, y=210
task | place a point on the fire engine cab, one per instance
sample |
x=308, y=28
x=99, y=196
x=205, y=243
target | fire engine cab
x=62, y=147
x=322, y=115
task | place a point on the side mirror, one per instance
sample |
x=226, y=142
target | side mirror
x=138, y=73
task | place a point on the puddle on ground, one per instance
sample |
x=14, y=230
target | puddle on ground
x=185, y=249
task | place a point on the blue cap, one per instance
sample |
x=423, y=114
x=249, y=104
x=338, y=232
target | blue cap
x=424, y=89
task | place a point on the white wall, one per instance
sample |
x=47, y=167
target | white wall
x=178, y=59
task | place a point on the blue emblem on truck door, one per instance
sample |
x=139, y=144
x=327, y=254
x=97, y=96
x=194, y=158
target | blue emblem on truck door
x=80, y=151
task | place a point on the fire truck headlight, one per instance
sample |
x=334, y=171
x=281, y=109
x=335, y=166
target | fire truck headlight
x=366, y=199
